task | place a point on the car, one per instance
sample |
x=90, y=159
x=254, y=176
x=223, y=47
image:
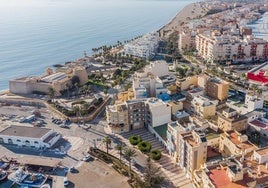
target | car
x=87, y=158
x=65, y=181
x=64, y=126
x=133, y=162
x=72, y=169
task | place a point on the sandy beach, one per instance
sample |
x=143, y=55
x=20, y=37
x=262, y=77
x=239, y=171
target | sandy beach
x=190, y=12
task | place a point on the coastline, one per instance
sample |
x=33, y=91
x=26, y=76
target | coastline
x=189, y=12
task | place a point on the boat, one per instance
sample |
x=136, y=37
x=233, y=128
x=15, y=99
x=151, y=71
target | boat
x=3, y=174
x=25, y=179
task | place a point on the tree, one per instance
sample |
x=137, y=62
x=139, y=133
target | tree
x=129, y=154
x=119, y=147
x=75, y=79
x=76, y=110
x=152, y=177
x=107, y=141
x=51, y=93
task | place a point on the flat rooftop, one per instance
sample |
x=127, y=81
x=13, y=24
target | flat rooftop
x=23, y=131
x=259, y=124
x=262, y=151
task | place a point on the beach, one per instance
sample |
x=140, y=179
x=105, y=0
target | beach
x=189, y=12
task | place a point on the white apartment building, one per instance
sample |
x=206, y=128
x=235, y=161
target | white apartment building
x=34, y=137
x=158, y=112
x=143, y=47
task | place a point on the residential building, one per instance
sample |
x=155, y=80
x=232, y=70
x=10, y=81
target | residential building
x=143, y=47
x=186, y=40
x=186, y=83
x=191, y=151
x=261, y=126
x=157, y=68
x=233, y=143
x=136, y=114
x=229, y=119
x=261, y=155
x=252, y=102
x=203, y=107
x=228, y=173
x=217, y=89
x=34, y=137
x=117, y=118
x=158, y=112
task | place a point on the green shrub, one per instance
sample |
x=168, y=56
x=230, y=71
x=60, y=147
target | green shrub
x=155, y=154
x=134, y=140
x=144, y=146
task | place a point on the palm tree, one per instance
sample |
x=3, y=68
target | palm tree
x=129, y=154
x=51, y=93
x=107, y=141
x=152, y=177
x=119, y=147
x=76, y=109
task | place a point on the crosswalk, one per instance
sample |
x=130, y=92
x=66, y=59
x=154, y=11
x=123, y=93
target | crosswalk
x=174, y=173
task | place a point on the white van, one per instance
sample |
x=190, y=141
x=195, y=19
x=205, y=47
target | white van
x=65, y=181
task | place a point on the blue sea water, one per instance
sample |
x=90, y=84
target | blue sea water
x=35, y=34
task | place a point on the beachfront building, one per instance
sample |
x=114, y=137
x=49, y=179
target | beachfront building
x=58, y=81
x=144, y=47
x=186, y=40
x=34, y=137
x=215, y=46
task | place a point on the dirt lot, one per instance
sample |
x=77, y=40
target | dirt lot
x=97, y=174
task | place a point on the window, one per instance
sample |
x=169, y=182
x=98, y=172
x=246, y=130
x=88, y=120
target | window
x=36, y=142
x=10, y=141
x=18, y=140
x=1, y=140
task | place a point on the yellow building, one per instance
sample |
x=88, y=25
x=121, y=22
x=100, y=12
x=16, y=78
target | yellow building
x=234, y=143
x=203, y=107
x=117, y=118
x=186, y=83
x=191, y=151
x=217, y=89
x=58, y=81
x=229, y=119
x=125, y=95
x=175, y=106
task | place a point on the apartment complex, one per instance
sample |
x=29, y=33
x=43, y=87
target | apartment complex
x=136, y=114
x=143, y=47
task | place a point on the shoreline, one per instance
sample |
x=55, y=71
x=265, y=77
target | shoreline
x=186, y=14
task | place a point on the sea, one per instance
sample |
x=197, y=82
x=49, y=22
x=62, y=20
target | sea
x=36, y=34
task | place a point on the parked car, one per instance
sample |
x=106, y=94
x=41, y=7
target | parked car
x=65, y=181
x=88, y=158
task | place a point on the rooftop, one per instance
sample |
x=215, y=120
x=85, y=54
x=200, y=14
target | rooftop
x=23, y=131
x=233, y=136
x=260, y=124
x=262, y=151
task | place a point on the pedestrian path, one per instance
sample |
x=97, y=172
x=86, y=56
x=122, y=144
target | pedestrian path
x=174, y=173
